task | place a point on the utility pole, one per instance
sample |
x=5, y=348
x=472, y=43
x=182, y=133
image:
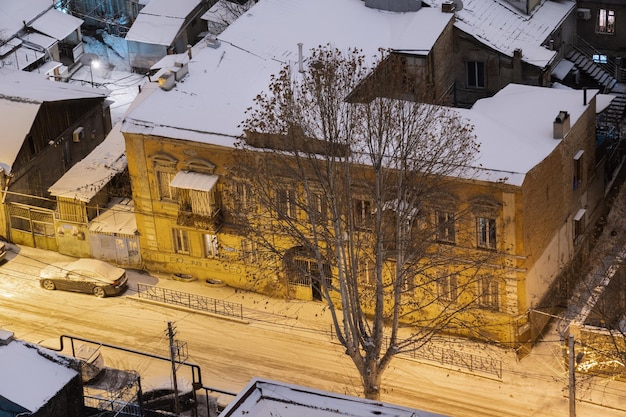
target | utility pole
x=572, y=377
x=173, y=354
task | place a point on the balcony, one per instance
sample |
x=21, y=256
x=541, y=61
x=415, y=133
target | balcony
x=211, y=221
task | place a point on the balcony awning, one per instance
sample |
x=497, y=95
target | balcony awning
x=194, y=181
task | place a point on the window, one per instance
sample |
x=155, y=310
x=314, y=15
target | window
x=181, y=241
x=201, y=202
x=486, y=230
x=579, y=226
x=318, y=208
x=210, y=246
x=164, y=171
x=362, y=214
x=286, y=203
x=475, y=74
x=366, y=272
x=408, y=282
x=447, y=287
x=578, y=169
x=444, y=221
x=249, y=251
x=489, y=293
x=606, y=21
x=243, y=198
x=165, y=191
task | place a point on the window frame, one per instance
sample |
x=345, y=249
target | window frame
x=448, y=287
x=489, y=293
x=164, y=172
x=362, y=213
x=579, y=225
x=210, y=245
x=445, y=226
x=578, y=169
x=605, y=23
x=486, y=232
x=286, y=202
x=180, y=239
x=475, y=74
x=249, y=251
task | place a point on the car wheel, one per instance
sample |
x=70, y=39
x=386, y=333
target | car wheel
x=49, y=285
x=99, y=292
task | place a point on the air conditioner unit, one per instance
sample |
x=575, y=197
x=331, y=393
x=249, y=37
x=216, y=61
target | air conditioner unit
x=78, y=134
x=583, y=14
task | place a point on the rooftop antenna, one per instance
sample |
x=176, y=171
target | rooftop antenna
x=300, y=63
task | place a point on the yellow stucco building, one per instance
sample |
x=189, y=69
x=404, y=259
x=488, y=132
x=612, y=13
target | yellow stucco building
x=528, y=206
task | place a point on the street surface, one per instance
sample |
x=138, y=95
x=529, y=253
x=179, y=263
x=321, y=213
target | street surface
x=282, y=340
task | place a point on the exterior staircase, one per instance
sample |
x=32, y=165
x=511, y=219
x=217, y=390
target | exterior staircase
x=615, y=112
x=592, y=69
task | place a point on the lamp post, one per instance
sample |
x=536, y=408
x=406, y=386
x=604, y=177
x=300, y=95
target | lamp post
x=90, y=60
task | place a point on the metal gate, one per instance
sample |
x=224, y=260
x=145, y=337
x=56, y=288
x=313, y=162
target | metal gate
x=32, y=226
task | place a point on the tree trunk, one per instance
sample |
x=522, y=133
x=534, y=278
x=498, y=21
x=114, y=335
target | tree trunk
x=371, y=383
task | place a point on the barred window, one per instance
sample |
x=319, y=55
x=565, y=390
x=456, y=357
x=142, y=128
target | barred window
x=489, y=293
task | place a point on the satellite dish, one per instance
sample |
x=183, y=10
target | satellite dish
x=458, y=5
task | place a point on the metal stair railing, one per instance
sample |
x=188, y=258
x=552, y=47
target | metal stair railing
x=589, y=51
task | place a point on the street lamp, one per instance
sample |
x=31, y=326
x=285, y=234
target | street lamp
x=90, y=60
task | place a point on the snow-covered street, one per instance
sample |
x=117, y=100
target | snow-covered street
x=285, y=340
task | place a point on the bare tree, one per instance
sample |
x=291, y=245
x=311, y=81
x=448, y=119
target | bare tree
x=226, y=12
x=353, y=196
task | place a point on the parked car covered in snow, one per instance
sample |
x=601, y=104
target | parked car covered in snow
x=158, y=393
x=90, y=276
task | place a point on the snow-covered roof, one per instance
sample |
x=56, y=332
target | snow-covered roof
x=29, y=379
x=38, y=39
x=210, y=102
x=160, y=21
x=500, y=26
x=56, y=24
x=119, y=218
x=21, y=95
x=510, y=146
x=265, y=398
x=272, y=28
x=13, y=14
x=88, y=176
x=208, y=105
x=20, y=58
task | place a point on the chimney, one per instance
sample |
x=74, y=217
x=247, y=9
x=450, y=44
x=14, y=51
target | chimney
x=584, y=96
x=300, y=63
x=447, y=6
x=517, y=53
x=5, y=337
x=167, y=81
x=189, y=51
x=561, y=125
